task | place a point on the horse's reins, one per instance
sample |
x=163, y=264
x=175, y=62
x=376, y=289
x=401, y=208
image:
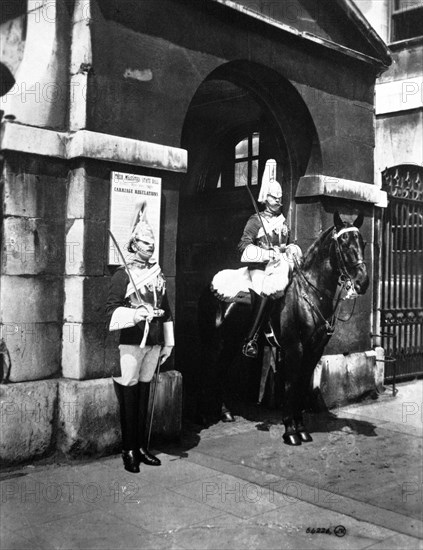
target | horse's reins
x=344, y=282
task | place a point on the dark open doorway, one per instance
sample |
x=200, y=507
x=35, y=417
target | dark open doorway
x=237, y=120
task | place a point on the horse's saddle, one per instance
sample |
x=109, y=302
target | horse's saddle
x=233, y=285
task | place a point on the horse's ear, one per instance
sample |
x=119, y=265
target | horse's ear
x=359, y=220
x=337, y=220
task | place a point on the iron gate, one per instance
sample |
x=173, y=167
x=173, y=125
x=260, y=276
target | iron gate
x=402, y=270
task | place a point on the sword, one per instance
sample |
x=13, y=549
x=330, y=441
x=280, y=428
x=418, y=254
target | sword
x=153, y=401
x=137, y=292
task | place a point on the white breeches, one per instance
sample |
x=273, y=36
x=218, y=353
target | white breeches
x=137, y=364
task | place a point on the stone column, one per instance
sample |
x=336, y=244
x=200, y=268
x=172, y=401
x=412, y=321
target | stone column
x=32, y=264
x=84, y=333
x=90, y=352
x=31, y=297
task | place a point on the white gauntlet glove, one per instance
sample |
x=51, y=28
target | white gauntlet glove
x=169, y=341
x=256, y=254
x=144, y=312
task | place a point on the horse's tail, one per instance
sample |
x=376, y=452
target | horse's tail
x=206, y=312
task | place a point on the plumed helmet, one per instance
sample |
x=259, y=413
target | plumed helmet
x=140, y=226
x=269, y=185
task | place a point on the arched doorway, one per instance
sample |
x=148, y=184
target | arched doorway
x=241, y=116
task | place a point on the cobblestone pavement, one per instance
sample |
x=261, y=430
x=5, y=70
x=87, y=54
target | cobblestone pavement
x=358, y=485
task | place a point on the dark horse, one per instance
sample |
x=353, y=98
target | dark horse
x=302, y=321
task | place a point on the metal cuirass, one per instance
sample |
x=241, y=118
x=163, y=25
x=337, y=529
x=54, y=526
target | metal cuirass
x=276, y=229
x=151, y=286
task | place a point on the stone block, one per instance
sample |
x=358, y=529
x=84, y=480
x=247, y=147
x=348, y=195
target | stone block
x=27, y=412
x=75, y=247
x=31, y=299
x=90, y=425
x=34, y=348
x=88, y=196
x=309, y=223
x=76, y=193
x=347, y=159
x=33, y=246
x=344, y=379
x=85, y=247
x=322, y=106
x=84, y=351
x=111, y=355
x=353, y=335
x=85, y=299
x=355, y=121
x=34, y=187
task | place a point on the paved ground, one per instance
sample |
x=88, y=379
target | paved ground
x=238, y=486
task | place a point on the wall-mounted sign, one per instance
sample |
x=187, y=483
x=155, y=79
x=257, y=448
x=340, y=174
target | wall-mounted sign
x=128, y=190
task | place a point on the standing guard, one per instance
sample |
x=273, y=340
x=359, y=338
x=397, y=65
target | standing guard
x=138, y=306
x=265, y=238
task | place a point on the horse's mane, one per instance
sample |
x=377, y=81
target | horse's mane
x=314, y=249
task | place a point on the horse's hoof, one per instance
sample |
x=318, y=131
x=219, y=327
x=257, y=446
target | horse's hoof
x=291, y=439
x=227, y=416
x=305, y=436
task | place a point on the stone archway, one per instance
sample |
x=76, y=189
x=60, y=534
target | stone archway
x=237, y=104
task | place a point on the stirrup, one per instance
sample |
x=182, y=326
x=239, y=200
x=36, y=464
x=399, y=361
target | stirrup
x=250, y=349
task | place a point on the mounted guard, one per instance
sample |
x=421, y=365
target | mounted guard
x=303, y=320
x=269, y=259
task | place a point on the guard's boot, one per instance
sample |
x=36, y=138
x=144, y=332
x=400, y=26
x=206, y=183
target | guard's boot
x=143, y=453
x=250, y=348
x=128, y=398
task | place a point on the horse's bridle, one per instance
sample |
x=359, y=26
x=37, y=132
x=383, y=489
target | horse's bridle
x=345, y=277
x=345, y=280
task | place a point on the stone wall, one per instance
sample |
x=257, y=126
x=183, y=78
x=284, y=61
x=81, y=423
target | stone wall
x=55, y=281
x=110, y=90
x=144, y=70
x=399, y=109
x=32, y=264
